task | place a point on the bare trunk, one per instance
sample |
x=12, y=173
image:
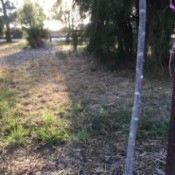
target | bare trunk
x=170, y=168
x=138, y=88
x=8, y=33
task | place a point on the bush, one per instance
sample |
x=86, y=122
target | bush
x=36, y=36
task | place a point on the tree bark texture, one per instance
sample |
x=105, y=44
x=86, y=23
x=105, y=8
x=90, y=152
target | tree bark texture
x=138, y=88
x=170, y=167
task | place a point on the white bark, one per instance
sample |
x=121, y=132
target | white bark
x=138, y=88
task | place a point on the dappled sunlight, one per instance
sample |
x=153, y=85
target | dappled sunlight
x=4, y=53
x=40, y=86
x=12, y=45
x=9, y=50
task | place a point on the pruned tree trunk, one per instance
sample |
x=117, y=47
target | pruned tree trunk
x=138, y=88
x=170, y=168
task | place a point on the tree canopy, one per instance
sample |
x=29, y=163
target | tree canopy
x=113, y=29
x=8, y=16
x=31, y=14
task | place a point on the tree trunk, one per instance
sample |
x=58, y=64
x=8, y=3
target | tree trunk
x=8, y=33
x=138, y=87
x=128, y=40
x=5, y=17
x=170, y=168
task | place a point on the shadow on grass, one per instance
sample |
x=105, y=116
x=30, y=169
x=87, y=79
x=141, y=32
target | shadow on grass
x=84, y=103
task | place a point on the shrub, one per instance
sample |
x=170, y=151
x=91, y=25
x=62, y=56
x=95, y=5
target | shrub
x=36, y=36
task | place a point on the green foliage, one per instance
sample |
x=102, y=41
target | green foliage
x=160, y=128
x=113, y=30
x=110, y=31
x=36, y=36
x=160, y=27
x=52, y=130
x=68, y=14
x=8, y=15
x=30, y=14
x=5, y=98
x=107, y=119
x=101, y=120
x=17, y=136
x=77, y=108
x=154, y=70
x=12, y=131
x=15, y=130
x=81, y=136
x=151, y=127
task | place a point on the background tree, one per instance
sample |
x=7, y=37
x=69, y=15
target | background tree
x=30, y=14
x=63, y=12
x=7, y=8
x=1, y=26
x=113, y=30
x=160, y=27
x=68, y=14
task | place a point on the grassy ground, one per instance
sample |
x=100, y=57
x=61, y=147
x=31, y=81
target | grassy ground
x=63, y=113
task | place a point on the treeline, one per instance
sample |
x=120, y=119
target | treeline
x=111, y=34
x=113, y=29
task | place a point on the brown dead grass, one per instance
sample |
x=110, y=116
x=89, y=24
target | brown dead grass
x=50, y=83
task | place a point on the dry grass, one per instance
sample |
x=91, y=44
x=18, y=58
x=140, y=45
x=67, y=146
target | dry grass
x=92, y=102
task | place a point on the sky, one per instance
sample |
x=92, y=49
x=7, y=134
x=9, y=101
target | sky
x=46, y=4
x=53, y=25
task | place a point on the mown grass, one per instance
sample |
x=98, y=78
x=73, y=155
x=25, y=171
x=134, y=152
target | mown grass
x=102, y=120
x=85, y=120
x=22, y=44
x=17, y=130
x=107, y=120
x=51, y=130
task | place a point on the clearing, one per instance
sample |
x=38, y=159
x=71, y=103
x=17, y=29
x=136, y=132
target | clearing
x=63, y=113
